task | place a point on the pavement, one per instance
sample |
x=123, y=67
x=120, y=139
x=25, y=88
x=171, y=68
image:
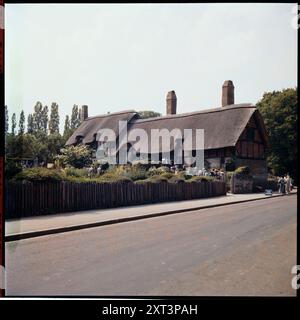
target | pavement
x=29, y=227
x=245, y=249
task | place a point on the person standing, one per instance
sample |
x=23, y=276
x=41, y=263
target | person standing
x=281, y=184
x=287, y=184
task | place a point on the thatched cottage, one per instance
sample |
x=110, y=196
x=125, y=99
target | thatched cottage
x=232, y=133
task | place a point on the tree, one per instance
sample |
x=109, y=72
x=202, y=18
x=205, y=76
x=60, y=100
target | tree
x=22, y=123
x=75, y=117
x=76, y=156
x=30, y=124
x=13, y=124
x=67, y=129
x=6, y=120
x=149, y=114
x=54, y=143
x=38, y=117
x=23, y=146
x=54, y=119
x=44, y=119
x=279, y=111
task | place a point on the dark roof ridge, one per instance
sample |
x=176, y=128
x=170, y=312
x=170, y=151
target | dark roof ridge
x=188, y=114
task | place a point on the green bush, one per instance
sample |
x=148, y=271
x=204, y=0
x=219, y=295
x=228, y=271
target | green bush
x=135, y=173
x=156, y=179
x=76, y=156
x=111, y=177
x=102, y=179
x=12, y=168
x=242, y=170
x=200, y=179
x=230, y=164
x=167, y=175
x=176, y=179
x=39, y=174
x=74, y=172
x=153, y=171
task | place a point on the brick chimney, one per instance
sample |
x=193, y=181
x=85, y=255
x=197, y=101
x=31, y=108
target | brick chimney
x=171, y=102
x=83, y=112
x=227, y=93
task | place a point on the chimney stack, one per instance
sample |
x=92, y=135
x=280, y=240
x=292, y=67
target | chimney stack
x=171, y=102
x=227, y=93
x=83, y=112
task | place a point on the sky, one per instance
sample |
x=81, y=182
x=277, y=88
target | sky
x=116, y=57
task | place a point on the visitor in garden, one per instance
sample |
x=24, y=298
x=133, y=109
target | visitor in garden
x=281, y=184
x=99, y=170
x=90, y=171
x=287, y=181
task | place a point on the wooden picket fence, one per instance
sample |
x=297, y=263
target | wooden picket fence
x=39, y=198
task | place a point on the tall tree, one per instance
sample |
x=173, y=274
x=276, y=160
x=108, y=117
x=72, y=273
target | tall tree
x=75, y=117
x=54, y=119
x=30, y=124
x=45, y=119
x=38, y=117
x=22, y=123
x=279, y=111
x=13, y=124
x=67, y=128
x=6, y=120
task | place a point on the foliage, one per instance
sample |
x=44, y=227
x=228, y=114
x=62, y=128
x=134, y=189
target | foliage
x=76, y=156
x=176, y=179
x=149, y=114
x=23, y=146
x=156, y=179
x=13, y=124
x=44, y=119
x=12, y=168
x=38, y=117
x=75, y=172
x=6, y=120
x=242, y=170
x=157, y=171
x=30, y=124
x=110, y=177
x=54, y=119
x=22, y=123
x=167, y=175
x=279, y=111
x=39, y=174
x=67, y=129
x=54, y=143
x=136, y=174
x=200, y=179
x=230, y=164
x=75, y=117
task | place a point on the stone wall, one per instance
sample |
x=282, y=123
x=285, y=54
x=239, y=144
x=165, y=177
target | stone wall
x=241, y=183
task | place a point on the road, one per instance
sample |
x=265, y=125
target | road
x=242, y=249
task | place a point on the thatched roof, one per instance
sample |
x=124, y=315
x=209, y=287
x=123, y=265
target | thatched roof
x=89, y=127
x=222, y=126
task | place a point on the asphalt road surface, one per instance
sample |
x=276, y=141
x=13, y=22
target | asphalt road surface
x=242, y=249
